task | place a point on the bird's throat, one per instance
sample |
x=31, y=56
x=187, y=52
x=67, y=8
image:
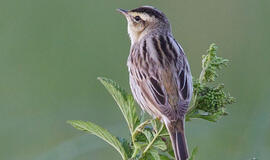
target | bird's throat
x=136, y=36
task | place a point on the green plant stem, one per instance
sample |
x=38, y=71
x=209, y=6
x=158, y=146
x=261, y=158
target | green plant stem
x=138, y=128
x=203, y=73
x=204, y=69
x=154, y=139
x=135, y=132
x=193, y=107
x=135, y=152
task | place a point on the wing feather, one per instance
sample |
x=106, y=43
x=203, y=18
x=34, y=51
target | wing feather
x=166, y=84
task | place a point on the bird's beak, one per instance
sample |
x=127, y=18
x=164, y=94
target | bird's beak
x=122, y=11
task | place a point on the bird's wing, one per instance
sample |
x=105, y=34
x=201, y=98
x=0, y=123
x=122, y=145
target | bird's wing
x=164, y=76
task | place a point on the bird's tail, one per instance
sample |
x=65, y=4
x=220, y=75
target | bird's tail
x=178, y=139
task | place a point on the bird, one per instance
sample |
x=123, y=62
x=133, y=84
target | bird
x=159, y=73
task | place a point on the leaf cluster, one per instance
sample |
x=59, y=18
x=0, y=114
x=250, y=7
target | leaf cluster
x=149, y=139
x=209, y=98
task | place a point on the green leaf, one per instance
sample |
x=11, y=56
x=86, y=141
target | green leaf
x=160, y=144
x=146, y=156
x=148, y=134
x=101, y=133
x=211, y=63
x=126, y=145
x=124, y=100
x=156, y=124
x=166, y=156
x=213, y=99
x=154, y=154
x=209, y=99
x=211, y=118
x=193, y=153
x=210, y=102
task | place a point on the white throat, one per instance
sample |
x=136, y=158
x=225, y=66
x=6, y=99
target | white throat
x=136, y=36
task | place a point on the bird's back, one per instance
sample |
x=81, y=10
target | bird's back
x=160, y=77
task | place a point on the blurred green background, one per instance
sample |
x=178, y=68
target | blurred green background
x=51, y=52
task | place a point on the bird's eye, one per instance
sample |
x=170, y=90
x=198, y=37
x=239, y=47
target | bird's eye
x=137, y=18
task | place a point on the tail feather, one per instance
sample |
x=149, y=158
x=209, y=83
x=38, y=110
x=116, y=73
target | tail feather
x=178, y=139
x=181, y=145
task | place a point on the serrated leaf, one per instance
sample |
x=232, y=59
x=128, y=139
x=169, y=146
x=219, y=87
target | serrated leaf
x=156, y=124
x=211, y=63
x=140, y=145
x=211, y=118
x=154, y=154
x=166, y=156
x=160, y=144
x=146, y=156
x=124, y=100
x=148, y=134
x=101, y=133
x=209, y=100
x=126, y=145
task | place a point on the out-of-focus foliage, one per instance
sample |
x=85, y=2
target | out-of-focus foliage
x=149, y=139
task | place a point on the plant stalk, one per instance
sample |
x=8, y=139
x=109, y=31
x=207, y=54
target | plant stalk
x=154, y=139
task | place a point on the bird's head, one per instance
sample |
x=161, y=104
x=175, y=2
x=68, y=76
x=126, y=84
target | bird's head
x=144, y=20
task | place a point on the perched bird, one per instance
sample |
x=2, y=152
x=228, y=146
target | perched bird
x=160, y=77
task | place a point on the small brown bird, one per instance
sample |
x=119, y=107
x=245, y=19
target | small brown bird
x=160, y=77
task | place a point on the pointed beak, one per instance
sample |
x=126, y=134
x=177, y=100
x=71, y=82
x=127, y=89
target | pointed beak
x=122, y=11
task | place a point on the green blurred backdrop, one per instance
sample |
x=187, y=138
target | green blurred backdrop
x=51, y=52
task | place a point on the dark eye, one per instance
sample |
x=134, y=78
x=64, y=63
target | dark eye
x=137, y=18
